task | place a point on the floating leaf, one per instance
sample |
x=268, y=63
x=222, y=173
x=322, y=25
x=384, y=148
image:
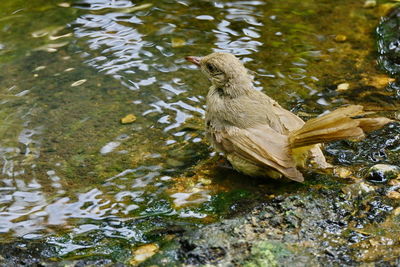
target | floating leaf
x=128, y=119
x=177, y=42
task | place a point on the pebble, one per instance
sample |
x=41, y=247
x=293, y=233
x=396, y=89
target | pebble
x=370, y=4
x=109, y=147
x=356, y=189
x=340, y=38
x=128, y=119
x=205, y=181
x=343, y=87
x=394, y=182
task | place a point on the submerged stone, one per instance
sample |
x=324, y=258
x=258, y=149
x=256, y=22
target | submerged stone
x=343, y=87
x=370, y=3
x=389, y=42
x=340, y=38
x=381, y=173
x=130, y=118
x=143, y=253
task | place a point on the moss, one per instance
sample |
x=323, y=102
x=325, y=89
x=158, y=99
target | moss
x=267, y=254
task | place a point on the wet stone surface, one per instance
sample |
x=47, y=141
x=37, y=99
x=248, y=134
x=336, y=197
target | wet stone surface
x=319, y=227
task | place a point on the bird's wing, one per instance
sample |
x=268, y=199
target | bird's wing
x=261, y=145
x=280, y=119
x=288, y=119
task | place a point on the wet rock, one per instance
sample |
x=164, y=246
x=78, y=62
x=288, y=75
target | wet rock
x=64, y=4
x=130, y=118
x=385, y=8
x=290, y=229
x=343, y=172
x=389, y=42
x=370, y=3
x=393, y=195
x=357, y=189
x=394, y=183
x=142, y=253
x=177, y=42
x=340, y=38
x=382, y=173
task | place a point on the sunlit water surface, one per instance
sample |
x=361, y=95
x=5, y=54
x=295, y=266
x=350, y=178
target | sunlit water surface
x=73, y=175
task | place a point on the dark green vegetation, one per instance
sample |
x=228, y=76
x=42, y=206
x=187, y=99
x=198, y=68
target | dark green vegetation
x=77, y=186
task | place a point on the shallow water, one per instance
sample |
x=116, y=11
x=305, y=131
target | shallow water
x=74, y=176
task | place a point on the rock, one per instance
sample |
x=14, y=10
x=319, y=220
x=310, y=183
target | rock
x=381, y=173
x=340, y=38
x=267, y=253
x=343, y=172
x=370, y=4
x=77, y=83
x=128, y=119
x=393, y=195
x=177, y=42
x=357, y=189
x=142, y=253
x=394, y=182
x=388, y=42
x=205, y=181
x=343, y=87
x=396, y=211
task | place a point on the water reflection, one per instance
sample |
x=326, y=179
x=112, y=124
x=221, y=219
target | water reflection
x=69, y=166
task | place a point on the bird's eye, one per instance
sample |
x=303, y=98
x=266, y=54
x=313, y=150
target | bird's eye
x=211, y=68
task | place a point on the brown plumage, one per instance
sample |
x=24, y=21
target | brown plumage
x=257, y=135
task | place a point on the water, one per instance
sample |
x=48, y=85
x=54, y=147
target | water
x=74, y=176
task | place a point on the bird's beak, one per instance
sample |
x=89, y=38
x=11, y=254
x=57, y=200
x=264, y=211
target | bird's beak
x=194, y=60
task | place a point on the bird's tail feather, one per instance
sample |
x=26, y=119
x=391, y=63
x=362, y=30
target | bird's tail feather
x=337, y=125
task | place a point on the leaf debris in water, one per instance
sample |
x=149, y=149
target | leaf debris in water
x=77, y=83
x=122, y=10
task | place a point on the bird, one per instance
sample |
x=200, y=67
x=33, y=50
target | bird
x=261, y=138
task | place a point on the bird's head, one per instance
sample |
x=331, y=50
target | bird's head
x=224, y=70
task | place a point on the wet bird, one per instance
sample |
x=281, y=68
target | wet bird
x=261, y=138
